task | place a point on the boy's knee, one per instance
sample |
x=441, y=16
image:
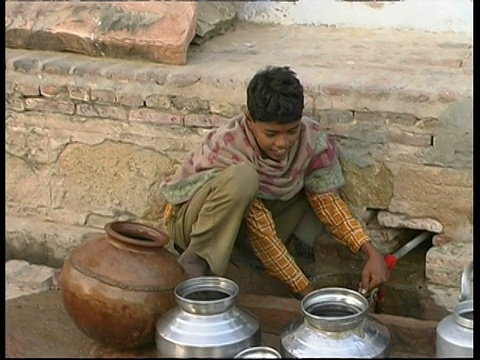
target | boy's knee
x=242, y=181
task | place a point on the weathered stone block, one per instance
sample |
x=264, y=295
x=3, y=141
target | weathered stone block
x=159, y=32
x=388, y=219
x=445, y=264
x=369, y=186
x=129, y=181
x=443, y=194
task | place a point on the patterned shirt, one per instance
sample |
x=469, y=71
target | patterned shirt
x=332, y=212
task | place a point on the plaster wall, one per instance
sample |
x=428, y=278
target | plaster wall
x=424, y=15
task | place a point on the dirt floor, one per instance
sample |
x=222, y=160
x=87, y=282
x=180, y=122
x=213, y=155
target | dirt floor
x=37, y=326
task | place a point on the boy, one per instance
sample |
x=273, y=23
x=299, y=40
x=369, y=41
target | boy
x=267, y=170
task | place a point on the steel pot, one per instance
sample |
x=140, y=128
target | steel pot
x=258, y=352
x=335, y=324
x=206, y=321
x=455, y=331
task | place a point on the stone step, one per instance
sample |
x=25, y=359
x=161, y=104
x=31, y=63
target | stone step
x=159, y=32
x=375, y=70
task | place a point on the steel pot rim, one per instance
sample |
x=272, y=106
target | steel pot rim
x=342, y=296
x=462, y=308
x=206, y=283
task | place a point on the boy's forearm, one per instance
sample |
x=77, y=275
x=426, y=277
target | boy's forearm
x=335, y=214
x=270, y=249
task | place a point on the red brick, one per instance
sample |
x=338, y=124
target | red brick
x=87, y=68
x=198, y=120
x=119, y=72
x=50, y=90
x=182, y=80
x=102, y=111
x=191, y=104
x=28, y=65
x=16, y=104
x=130, y=99
x=103, y=95
x=27, y=89
x=385, y=117
x=158, y=101
x=155, y=117
x=79, y=93
x=47, y=105
x=149, y=74
x=60, y=66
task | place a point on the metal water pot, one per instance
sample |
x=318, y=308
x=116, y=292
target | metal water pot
x=335, y=324
x=206, y=321
x=455, y=331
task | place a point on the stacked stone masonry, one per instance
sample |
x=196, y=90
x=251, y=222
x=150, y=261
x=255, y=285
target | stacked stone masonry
x=89, y=140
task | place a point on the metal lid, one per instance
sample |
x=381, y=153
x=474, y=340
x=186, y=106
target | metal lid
x=258, y=352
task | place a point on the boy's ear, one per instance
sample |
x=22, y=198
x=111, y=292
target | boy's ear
x=248, y=120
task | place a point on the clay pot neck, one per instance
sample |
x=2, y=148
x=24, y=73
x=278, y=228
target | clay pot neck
x=135, y=236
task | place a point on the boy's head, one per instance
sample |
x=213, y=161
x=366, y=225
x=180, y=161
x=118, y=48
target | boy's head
x=275, y=106
x=275, y=95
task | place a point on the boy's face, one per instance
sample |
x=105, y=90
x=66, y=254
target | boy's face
x=275, y=140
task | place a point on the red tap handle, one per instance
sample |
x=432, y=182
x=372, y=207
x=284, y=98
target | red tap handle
x=391, y=261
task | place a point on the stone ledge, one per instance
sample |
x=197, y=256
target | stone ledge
x=366, y=83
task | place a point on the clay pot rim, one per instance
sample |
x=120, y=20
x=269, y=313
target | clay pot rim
x=156, y=238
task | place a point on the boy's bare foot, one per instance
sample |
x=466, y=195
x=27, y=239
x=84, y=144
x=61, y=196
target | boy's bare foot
x=193, y=264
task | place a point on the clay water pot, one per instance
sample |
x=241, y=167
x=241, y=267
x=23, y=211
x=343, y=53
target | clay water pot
x=116, y=287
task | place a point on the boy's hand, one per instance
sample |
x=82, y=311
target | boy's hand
x=375, y=272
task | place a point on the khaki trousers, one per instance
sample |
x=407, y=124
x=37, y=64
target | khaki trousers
x=212, y=220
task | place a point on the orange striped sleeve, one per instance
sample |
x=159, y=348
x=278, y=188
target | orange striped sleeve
x=270, y=249
x=335, y=214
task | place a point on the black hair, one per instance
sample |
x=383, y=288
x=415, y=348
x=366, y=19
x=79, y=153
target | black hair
x=275, y=95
